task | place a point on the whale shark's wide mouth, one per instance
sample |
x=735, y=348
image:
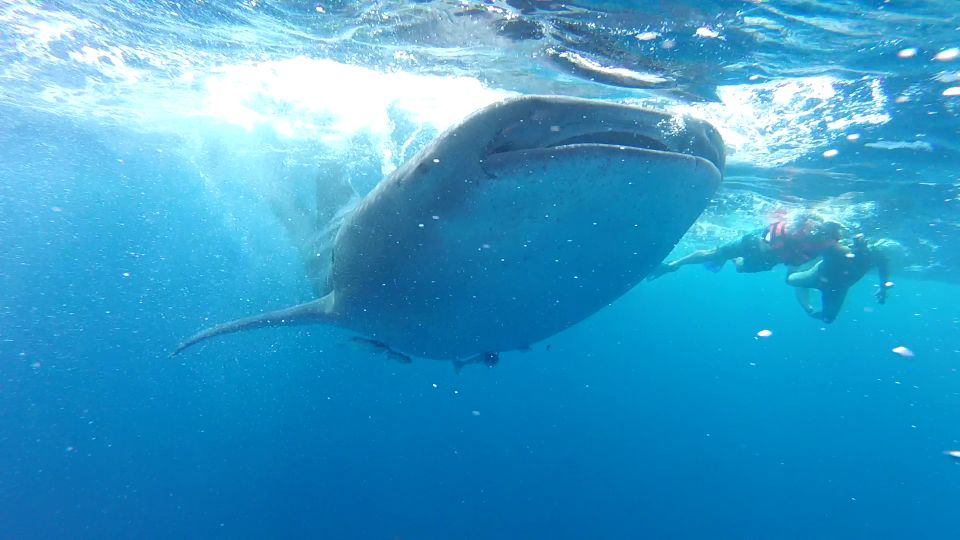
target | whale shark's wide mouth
x=606, y=138
x=633, y=143
x=565, y=123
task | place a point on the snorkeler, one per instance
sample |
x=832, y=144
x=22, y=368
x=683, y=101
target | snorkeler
x=839, y=270
x=793, y=244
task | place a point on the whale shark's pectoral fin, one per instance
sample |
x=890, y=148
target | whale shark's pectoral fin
x=315, y=312
x=380, y=347
x=313, y=230
x=488, y=359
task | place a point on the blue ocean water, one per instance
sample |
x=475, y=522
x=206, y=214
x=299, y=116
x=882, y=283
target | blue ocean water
x=140, y=143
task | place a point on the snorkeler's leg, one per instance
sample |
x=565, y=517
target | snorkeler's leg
x=803, y=298
x=716, y=256
x=807, y=279
x=672, y=266
x=832, y=302
x=804, y=281
x=698, y=257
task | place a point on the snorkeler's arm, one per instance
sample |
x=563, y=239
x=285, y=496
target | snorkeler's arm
x=837, y=250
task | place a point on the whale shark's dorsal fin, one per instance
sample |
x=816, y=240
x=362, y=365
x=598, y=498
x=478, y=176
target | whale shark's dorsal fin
x=317, y=311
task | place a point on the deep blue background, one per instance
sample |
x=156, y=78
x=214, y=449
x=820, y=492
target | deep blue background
x=662, y=416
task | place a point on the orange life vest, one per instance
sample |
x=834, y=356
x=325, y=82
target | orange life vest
x=794, y=248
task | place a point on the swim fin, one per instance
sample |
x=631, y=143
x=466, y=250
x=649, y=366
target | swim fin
x=714, y=267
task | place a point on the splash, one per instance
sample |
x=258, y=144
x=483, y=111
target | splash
x=320, y=98
x=771, y=124
x=117, y=67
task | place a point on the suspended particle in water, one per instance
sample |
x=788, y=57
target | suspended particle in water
x=902, y=351
x=907, y=53
x=830, y=153
x=947, y=54
x=705, y=32
x=764, y=333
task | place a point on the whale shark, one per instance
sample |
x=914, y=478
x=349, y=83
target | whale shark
x=518, y=222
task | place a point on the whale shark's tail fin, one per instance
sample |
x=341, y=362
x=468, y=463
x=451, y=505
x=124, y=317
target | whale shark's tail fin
x=313, y=230
x=315, y=312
